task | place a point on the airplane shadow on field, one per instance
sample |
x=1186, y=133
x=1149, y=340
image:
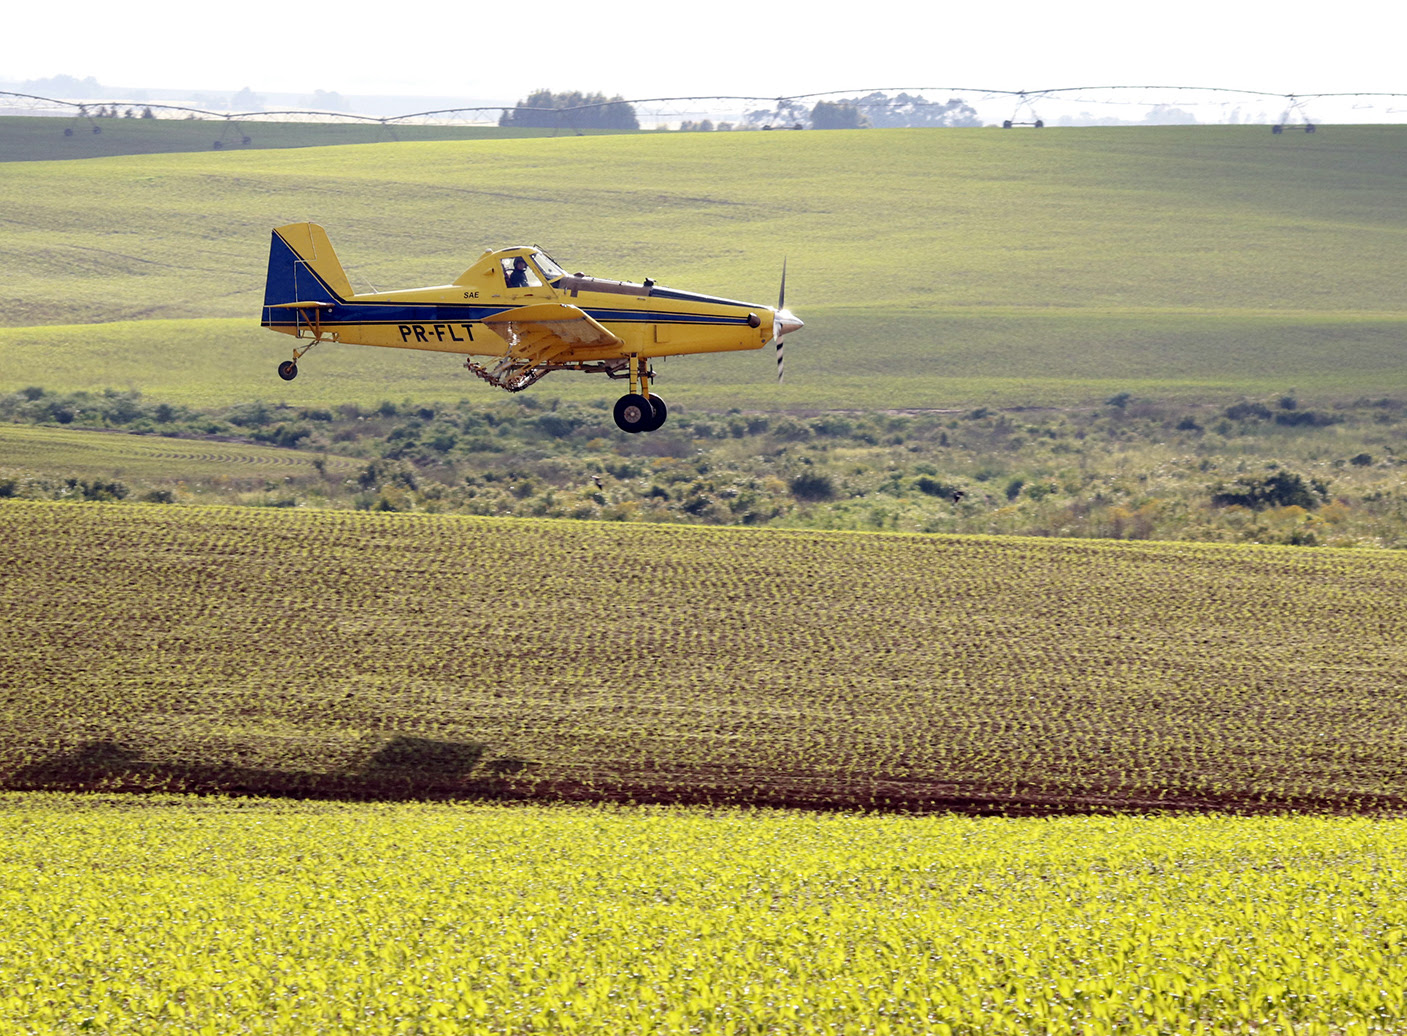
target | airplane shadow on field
x=400, y=767
x=405, y=768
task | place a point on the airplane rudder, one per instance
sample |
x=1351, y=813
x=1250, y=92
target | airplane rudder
x=303, y=267
x=323, y=260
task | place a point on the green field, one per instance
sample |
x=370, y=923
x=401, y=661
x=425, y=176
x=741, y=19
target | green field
x=934, y=268
x=88, y=454
x=29, y=139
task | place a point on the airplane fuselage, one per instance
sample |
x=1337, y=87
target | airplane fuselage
x=518, y=305
x=646, y=320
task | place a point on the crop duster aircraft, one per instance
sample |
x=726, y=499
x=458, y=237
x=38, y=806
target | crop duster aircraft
x=519, y=308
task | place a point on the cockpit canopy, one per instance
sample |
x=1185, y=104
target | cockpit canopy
x=520, y=267
x=530, y=269
x=526, y=267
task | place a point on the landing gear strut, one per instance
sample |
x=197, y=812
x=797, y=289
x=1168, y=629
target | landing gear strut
x=312, y=313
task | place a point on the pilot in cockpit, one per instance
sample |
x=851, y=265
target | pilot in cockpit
x=518, y=277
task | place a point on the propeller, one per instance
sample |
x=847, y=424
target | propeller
x=783, y=320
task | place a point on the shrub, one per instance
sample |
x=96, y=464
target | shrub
x=1242, y=411
x=812, y=487
x=935, y=487
x=1304, y=418
x=250, y=415
x=1278, y=489
x=558, y=426
x=97, y=489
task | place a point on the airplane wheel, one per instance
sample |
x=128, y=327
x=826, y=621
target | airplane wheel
x=634, y=413
x=288, y=370
x=661, y=412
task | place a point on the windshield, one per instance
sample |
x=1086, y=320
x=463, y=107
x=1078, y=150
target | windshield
x=549, y=269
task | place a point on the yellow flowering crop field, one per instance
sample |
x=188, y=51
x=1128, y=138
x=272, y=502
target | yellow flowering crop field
x=353, y=654
x=164, y=914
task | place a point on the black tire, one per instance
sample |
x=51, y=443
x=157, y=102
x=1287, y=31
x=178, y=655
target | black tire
x=661, y=413
x=288, y=370
x=634, y=412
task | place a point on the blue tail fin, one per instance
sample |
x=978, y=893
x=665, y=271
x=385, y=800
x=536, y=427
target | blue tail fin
x=302, y=268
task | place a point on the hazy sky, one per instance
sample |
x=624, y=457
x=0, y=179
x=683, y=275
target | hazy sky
x=762, y=47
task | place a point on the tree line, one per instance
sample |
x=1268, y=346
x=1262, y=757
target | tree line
x=544, y=109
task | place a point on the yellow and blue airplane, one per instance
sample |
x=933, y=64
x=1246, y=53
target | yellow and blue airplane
x=518, y=307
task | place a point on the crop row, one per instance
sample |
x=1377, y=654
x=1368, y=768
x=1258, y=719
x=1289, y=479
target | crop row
x=258, y=650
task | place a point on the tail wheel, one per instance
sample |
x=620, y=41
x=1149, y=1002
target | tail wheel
x=635, y=414
x=288, y=370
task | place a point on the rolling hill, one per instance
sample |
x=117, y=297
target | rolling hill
x=934, y=268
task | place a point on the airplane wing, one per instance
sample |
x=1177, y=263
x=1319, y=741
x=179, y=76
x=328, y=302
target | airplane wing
x=548, y=328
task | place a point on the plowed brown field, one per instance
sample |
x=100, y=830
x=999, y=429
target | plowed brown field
x=356, y=654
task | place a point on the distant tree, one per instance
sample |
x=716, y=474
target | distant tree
x=837, y=115
x=328, y=101
x=1167, y=115
x=689, y=126
x=912, y=110
x=788, y=114
x=572, y=110
x=63, y=86
x=246, y=100
x=147, y=113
